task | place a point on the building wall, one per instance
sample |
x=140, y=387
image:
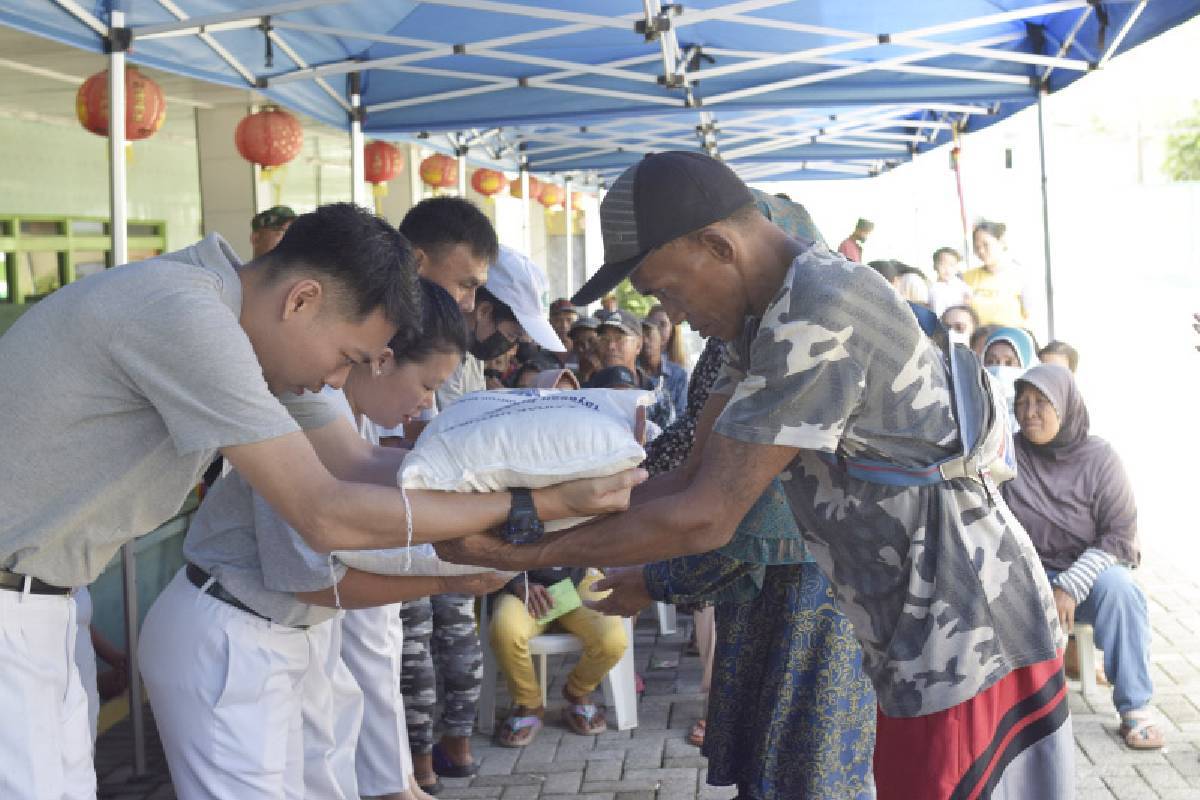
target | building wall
x=54, y=168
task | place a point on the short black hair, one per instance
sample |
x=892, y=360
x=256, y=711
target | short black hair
x=997, y=229
x=501, y=311
x=439, y=223
x=366, y=263
x=1061, y=348
x=946, y=251
x=443, y=328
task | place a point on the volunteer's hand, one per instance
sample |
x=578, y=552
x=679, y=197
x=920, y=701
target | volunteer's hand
x=588, y=497
x=540, y=601
x=1066, y=609
x=628, y=593
x=479, y=584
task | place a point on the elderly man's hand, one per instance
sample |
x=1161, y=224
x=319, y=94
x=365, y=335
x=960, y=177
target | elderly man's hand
x=627, y=592
x=487, y=550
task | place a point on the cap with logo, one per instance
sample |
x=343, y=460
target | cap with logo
x=625, y=321
x=274, y=217
x=657, y=200
x=522, y=286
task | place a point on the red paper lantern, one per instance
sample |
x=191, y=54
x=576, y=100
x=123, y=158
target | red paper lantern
x=270, y=138
x=488, y=182
x=381, y=162
x=535, y=188
x=552, y=195
x=145, y=106
x=439, y=171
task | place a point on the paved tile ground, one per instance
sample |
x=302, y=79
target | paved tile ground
x=654, y=762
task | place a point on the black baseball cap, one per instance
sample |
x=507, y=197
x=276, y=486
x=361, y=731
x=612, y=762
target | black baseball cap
x=657, y=200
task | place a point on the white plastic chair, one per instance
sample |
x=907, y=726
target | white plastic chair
x=667, y=622
x=1085, y=645
x=620, y=684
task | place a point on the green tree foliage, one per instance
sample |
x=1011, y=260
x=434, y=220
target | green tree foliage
x=1183, y=149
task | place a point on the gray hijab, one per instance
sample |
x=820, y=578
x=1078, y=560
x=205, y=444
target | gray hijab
x=1058, y=384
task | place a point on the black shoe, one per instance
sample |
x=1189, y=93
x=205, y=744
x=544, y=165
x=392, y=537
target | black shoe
x=446, y=768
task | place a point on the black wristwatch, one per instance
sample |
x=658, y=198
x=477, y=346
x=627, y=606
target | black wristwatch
x=523, y=526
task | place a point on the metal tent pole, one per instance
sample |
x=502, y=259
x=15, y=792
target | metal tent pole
x=526, y=226
x=358, y=185
x=461, y=153
x=567, y=231
x=1045, y=218
x=119, y=232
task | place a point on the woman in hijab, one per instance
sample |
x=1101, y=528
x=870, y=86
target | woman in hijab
x=1007, y=353
x=1072, y=496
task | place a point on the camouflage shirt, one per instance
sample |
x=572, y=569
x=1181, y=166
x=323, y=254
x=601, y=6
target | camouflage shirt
x=943, y=586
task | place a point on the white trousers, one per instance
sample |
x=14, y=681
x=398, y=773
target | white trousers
x=372, y=642
x=45, y=749
x=85, y=657
x=333, y=713
x=228, y=692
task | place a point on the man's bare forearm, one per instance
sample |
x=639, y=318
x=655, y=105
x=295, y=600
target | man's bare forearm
x=367, y=590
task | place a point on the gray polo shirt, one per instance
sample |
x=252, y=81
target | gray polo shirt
x=117, y=391
x=237, y=537
x=464, y=380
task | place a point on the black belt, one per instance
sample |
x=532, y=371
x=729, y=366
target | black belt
x=16, y=583
x=199, y=578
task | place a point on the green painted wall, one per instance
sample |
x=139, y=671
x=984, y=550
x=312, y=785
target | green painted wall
x=58, y=168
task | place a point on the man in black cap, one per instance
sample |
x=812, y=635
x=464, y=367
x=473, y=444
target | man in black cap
x=267, y=228
x=619, y=336
x=829, y=371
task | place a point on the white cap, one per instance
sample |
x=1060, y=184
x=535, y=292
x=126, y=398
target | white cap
x=522, y=286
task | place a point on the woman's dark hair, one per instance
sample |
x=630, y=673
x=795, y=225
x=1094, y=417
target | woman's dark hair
x=997, y=229
x=439, y=223
x=443, y=329
x=970, y=312
x=1061, y=348
x=886, y=268
x=500, y=310
x=363, y=262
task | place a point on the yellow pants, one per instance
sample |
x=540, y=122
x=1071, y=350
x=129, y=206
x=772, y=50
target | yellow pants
x=604, y=642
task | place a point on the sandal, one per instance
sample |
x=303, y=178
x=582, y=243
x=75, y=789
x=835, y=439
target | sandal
x=446, y=767
x=695, y=736
x=518, y=730
x=1140, y=733
x=585, y=719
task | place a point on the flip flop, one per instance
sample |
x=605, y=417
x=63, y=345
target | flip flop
x=585, y=719
x=434, y=788
x=515, y=726
x=1140, y=733
x=446, y=767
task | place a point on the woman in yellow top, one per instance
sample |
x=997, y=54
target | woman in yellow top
x=997, y=287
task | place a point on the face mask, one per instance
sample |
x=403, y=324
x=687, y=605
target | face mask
x=1008, y=379
x=493, y=346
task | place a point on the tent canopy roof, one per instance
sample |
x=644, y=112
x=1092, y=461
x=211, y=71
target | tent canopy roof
x=866, y=83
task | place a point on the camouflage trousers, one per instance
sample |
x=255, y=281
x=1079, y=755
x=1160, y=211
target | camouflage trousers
x=441, y=631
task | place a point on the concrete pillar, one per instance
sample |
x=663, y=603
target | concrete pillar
x=400, y=197
x=228, y=188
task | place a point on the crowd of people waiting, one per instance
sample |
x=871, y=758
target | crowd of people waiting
x=274, y=670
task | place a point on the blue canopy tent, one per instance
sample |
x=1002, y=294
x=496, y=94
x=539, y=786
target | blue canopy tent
x=783, y=89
